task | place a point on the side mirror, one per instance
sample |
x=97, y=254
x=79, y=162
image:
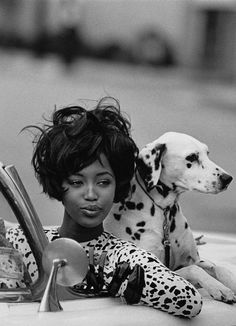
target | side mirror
x=66, y=264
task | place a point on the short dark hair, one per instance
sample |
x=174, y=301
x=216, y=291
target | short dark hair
x=75, y=138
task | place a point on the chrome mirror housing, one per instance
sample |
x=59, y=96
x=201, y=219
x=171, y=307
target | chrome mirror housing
x=66, y=263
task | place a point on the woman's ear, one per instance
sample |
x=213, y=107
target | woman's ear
x=149, y=163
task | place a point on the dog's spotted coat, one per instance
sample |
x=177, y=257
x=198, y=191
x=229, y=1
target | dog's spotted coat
x=163, y=289
x=167, y=167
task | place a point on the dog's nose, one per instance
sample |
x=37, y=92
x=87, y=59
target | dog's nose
x=225, y=180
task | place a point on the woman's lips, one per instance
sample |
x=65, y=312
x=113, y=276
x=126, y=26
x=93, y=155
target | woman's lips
x=91, y=210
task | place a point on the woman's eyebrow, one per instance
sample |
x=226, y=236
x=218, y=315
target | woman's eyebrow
x=104, y=173
x=98, y=174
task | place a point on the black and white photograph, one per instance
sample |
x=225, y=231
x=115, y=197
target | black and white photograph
x=118, y=162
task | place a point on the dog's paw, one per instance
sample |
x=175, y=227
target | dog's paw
x=226, y=276
x=221, y=293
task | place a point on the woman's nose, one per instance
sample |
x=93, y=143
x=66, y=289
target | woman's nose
x=91, y=193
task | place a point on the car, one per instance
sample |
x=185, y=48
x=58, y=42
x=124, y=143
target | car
x=30, y=306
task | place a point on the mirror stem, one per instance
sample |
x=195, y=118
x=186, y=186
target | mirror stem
x=50, y=300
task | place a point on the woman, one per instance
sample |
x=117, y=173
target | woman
x=85, y=159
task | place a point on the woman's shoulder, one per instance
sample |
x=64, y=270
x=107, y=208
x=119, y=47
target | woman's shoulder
x=115, y=241
x=15, y=232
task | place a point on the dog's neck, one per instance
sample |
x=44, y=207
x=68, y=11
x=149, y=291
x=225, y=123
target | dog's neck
x=166, y=190
x=163, y=189
x=162, y=195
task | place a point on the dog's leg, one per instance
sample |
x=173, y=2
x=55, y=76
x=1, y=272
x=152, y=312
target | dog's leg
x=198, y=276
x=220, y=273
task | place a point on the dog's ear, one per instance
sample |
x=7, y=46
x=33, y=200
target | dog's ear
x=149, y=164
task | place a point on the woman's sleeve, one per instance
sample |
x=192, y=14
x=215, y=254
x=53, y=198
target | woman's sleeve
x=163, y=289
x=17, y=238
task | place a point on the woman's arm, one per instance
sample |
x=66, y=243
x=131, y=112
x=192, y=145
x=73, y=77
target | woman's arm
x=163, y=289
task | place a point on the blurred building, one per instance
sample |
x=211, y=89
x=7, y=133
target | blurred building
x=192, y=33
x=211, y=36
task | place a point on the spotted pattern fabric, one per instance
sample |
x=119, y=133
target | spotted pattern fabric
x=163, y=289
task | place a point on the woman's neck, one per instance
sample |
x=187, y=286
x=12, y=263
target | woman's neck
x=72, y=230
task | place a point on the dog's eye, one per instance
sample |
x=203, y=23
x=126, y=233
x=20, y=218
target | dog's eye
x=192, y=157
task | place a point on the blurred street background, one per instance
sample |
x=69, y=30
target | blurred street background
x=170, y=63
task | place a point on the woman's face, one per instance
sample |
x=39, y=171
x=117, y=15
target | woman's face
x=90, y=194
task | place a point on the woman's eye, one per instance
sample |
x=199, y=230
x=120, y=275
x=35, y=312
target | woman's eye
x=75, y=182
x=104, y=182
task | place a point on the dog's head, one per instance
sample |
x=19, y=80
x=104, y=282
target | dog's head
x=180, y=162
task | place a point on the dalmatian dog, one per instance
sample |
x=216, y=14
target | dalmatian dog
x=152, y=218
